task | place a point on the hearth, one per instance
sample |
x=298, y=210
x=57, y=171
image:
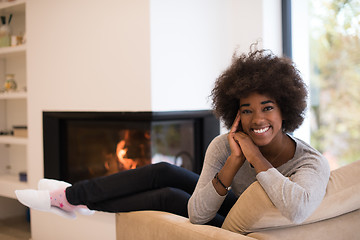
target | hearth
x=84, y=145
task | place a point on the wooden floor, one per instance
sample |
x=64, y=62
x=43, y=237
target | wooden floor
x=15, y=229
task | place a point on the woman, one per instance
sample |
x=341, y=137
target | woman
x=267, y=98
x=261, y=98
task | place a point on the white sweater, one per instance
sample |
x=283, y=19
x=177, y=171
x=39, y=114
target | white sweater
x=296, y=188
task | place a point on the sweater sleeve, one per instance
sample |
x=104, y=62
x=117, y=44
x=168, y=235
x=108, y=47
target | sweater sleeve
x=298, y=195
x=205, y=201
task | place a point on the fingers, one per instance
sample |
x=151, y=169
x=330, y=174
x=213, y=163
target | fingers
x=239, y=136
x=235, y=125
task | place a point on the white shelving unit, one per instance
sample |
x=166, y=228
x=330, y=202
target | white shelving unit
x=13, y=105
x=13, y=95
x=13, y=140
x=12, y=6
x=9, y=183
x=11, y=51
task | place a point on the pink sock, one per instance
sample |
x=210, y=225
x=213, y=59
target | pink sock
x=58, y=199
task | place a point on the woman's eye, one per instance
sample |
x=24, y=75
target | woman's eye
x=245, y=111
x=268, y=108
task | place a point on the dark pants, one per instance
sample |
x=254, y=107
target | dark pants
x=162, y=187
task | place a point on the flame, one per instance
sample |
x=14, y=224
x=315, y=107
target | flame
x=121, y=151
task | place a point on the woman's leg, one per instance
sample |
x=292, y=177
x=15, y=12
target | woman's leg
x=166, y=199
x=162, y=187
x=131, y=182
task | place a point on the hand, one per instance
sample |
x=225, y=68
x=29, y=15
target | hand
x=234, y=161
x=251, y=152
x=247, y=146
x=236, y=151
x=241, y=144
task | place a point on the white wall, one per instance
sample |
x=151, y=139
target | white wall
x=125, y=55
x=246, y=24
x=89, y=55
x=83, y=56
x=301, y=56
x=272, y=35
x=190, y=45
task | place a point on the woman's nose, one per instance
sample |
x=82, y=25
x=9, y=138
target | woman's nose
x=258, y=117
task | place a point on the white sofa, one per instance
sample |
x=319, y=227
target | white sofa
x=338, y=217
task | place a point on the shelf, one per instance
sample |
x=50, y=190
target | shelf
x=13, y=140
x=13, y=6
x=10, y=183
x=12, y=57
x=13, y=95
x=12, y=51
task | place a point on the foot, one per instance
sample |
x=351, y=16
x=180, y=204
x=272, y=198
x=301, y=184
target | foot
x=54, y=185
x=51, y=198
x=40, y=200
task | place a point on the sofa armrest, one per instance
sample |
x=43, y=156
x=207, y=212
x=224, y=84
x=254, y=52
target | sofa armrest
x=341, y=197
x=158, y=225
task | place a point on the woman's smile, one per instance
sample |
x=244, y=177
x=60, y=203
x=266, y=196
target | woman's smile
x=260, y=131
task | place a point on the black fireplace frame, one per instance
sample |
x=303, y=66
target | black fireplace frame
x=206, y=127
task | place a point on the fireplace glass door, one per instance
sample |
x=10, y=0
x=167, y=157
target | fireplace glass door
x=101, y=148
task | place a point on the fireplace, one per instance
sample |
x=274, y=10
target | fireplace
x=84, y=145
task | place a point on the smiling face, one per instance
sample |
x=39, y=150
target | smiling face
x=261, y=119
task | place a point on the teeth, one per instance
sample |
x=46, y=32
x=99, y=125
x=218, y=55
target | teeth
x=261, y=130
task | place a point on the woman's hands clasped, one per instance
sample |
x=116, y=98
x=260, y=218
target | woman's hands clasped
x=241, y=145
x=236, y=151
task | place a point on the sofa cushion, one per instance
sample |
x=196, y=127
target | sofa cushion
x=337, y=228
x=150, y=225
x=254, y=211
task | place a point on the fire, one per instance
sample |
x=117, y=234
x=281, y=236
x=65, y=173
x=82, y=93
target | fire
x=121, y=151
